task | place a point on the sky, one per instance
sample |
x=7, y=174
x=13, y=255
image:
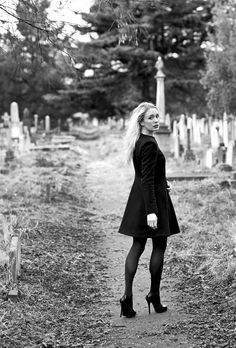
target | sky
x=63, y=10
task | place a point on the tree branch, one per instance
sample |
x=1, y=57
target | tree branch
x=24, y=20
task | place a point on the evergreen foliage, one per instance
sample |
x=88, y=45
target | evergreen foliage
x=28, y=68
x=220, y=75
x=130, y=36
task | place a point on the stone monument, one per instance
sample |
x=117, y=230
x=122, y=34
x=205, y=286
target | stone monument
x=163, y=134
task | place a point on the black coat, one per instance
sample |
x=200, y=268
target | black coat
x=149, y=193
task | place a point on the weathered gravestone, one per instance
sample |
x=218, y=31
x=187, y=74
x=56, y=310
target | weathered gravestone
x=15, y=121
x=10, y=250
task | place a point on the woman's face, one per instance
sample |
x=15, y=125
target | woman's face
x=150, y=122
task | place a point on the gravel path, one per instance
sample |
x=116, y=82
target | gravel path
x=109, y=182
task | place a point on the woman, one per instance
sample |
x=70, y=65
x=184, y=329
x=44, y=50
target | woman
x=149, y=212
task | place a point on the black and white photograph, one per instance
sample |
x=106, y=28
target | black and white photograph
x=117, y=173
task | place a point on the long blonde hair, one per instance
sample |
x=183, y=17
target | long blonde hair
x=134, y=128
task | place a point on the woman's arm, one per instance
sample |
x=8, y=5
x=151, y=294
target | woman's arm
x=148, y=162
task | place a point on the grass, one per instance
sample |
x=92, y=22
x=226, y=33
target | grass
x=208, y=221
x=203, y=260
x=59, y=290
x=64, y=273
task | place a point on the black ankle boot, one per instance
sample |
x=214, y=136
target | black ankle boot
x=155, y=300
x=127, y=307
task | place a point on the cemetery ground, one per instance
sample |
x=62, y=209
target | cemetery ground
x=68, y=206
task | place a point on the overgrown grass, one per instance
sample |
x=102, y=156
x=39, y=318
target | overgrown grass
x=203, y=259
x=208, y=223
x=63, y=275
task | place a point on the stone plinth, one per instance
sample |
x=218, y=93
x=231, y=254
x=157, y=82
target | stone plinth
x=164, y=139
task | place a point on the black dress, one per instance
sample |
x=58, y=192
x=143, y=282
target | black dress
x=149, y=193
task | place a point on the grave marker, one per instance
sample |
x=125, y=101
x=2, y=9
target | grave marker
x=209, y=158
x=47, y=124
x=225, y=130
x=36, y=119
x=15, y=121
x=176, y=139
x=167, y=120
x=230, y=153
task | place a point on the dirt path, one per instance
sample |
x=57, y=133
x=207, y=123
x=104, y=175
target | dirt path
x=109, y=182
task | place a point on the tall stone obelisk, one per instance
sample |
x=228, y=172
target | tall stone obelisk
x=163, y=134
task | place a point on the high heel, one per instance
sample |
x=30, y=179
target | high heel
x=127, y=307
x=155, y=300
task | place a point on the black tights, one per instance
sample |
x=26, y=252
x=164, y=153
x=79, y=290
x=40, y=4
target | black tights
x=156, y=262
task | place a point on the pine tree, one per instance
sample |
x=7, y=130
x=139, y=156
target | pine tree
x=130, y=36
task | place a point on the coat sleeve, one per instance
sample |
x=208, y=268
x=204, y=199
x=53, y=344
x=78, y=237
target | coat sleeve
x=148, y=162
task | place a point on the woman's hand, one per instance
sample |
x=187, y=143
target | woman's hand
x=169, y=186
x=152, y=220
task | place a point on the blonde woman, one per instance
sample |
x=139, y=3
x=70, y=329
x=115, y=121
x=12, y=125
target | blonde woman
x=149, y=212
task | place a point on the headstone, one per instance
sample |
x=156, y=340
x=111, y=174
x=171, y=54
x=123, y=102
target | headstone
x=27, y=144
x=6, y=120
x=95, y=122
x=194, y=127
x=209, y=158
x=233, y=137
x=26, y=119
x=15, y=121
x=220, y=127
x=36, y=119
x=167, y=120
x=47, y=124
x=214, y=133
x=14, y=112
x=109, y=122
x=225, y=130
x=198, y=131
x=182, y=130
x=176, y=139
x=206, y=128
x=202, y=125
x=209, y=124
x=230, y=153
x=189, y=155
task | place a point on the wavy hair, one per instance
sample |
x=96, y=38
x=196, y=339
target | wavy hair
x=134, y=128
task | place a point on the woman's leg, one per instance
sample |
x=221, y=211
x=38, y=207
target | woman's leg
x=131, y=263
x=156, y=263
